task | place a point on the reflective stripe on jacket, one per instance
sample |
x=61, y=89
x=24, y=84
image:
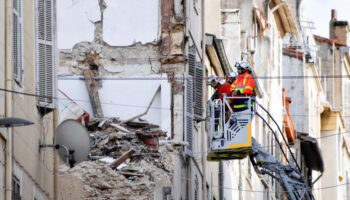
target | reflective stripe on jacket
x=244, y=83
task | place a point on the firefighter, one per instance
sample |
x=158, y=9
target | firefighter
x=220, y=86
x=243, y=85
x=231, y=77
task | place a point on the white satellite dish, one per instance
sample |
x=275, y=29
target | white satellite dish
x=72, y=142
x=73, y=135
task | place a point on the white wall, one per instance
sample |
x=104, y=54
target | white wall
x=75, y=21
x=124, y=98
x=131, y=21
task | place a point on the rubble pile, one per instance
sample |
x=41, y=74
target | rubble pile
x=126, y=162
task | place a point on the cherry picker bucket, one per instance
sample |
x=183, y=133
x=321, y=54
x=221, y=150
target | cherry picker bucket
x=228, y=128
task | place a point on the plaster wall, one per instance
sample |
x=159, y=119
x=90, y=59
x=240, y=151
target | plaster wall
x=2, y=56
x=194, y=24
x=326, y=53
x=295, y=90
x=212, y=17
x=330, y=176
x=139, y=19
x=75, y=21
x=36, y=166
x=124, y=97
x=231, y=30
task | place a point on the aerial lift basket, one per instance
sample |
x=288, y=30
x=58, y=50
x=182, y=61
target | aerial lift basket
x=229, y=131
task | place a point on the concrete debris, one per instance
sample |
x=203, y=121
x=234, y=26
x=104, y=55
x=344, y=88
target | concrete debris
x=127, y=165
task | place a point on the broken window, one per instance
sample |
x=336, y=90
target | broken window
x=17, y=41
x=45, y=54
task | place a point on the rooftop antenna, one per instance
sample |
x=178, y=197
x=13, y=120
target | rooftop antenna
x=72, y=142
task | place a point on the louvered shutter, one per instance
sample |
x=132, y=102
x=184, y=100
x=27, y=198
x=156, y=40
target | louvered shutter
x=17, y=41
x=195, y=69
x=198, y=90
x=45, y=53
x=188, y=114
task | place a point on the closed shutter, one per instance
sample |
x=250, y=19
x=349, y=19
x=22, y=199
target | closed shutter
x=45, y=53
x=17, y=41
x=198, y=90
x=196, y=71
x=188, y=114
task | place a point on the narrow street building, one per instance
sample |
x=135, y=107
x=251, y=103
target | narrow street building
x=28, y=86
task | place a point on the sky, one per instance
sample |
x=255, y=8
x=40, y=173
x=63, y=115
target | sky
x=319, y=12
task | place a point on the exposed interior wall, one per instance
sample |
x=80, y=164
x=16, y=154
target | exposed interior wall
x=124, y=98
x=75, y=21
x=139, y=20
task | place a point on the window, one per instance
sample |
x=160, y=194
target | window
x=45, y=53
x=17, y=41
x=16, y=191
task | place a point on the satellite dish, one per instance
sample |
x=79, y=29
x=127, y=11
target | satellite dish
x=73, y=137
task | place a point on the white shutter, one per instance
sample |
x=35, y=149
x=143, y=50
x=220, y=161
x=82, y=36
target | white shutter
x=198, y=90
x=188, y=114
x=196, y=71
x=17, y=41
x=45, y=53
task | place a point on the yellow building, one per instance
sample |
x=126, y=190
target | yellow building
x=27, y=84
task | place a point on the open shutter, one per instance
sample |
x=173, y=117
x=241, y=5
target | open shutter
x=17, y=41
x=45, y=53
x=198, y=90
x=188, y=114
x=195, y=69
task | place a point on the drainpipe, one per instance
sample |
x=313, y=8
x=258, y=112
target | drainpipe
x=203, y=149
x=55, y=159
x=8, y=99
x=221, y=180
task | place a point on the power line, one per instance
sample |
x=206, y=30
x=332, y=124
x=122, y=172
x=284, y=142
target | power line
x=116, y=104
x=198, y=78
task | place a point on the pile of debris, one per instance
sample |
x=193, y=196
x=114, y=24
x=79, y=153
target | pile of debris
x=127, y=161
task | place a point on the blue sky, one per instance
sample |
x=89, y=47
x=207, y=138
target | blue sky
x=319, y=11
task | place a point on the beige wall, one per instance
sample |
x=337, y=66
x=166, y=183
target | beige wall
x=36, y=168
x=213, y=17
x=2, y=57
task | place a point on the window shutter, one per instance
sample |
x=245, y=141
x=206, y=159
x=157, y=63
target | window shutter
x=192, y=60
x=188, y=114
x=17, y=42
x=196, y=71
x=45, y=53
x=198, y=90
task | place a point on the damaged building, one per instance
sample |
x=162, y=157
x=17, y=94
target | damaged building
x=133, y=60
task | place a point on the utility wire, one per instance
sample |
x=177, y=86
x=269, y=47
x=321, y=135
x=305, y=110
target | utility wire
x=198, y=78
x=115, y=104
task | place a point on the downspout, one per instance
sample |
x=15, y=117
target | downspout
x=55, y=159
x=204, y=158
x=221, y=180
x=8, y=100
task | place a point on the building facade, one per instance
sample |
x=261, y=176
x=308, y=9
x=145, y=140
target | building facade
x=27, y=82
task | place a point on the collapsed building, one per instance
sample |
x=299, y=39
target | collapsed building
x=126, y=162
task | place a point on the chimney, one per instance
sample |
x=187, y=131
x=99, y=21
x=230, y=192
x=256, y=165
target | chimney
x=334, y=14
x=331, y=26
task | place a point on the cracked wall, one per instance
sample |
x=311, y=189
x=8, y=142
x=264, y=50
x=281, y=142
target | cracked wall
x=91, y=37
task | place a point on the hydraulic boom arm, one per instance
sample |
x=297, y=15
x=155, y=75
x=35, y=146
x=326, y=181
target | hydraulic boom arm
x=290, y=178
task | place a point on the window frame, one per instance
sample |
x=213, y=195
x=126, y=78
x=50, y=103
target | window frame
x=46, y=90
